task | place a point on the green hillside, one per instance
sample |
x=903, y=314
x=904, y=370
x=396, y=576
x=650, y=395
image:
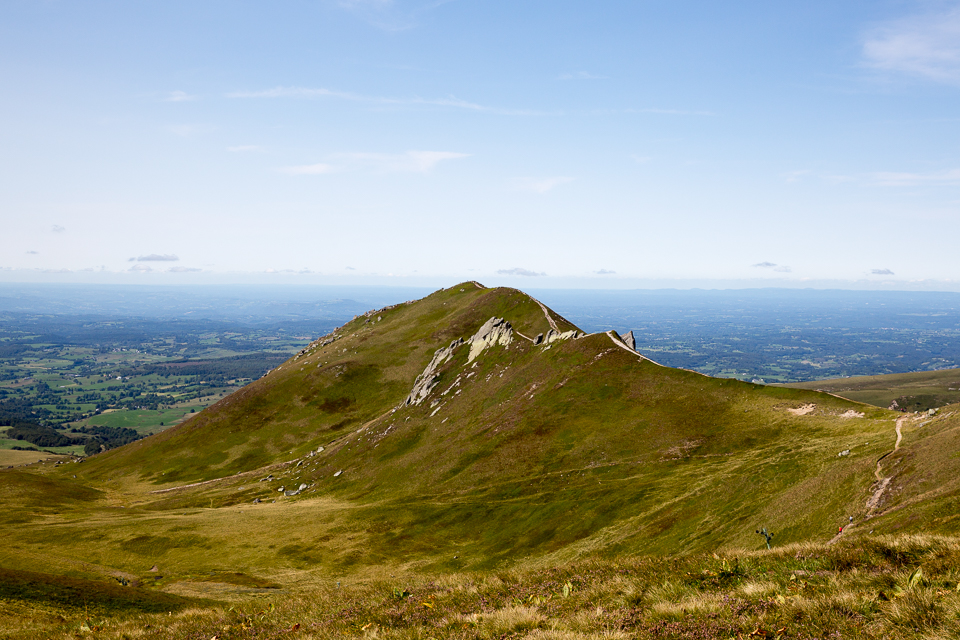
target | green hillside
x=475, y=430
x=917, y=391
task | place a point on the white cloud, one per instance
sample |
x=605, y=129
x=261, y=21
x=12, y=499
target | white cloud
x=155, y=257
x=140, y=268
x=33, y=253
x=925, y=46
x=794, y=176
x=949, y=177
x=243, y=148
x=409, y=162
x=179, y=96
x=304, y=92
x=881, y=272
x=182, y=269
x=519, y=271
x=604, y=272
x=58, y=228
x=542, y=185
x=308, y=169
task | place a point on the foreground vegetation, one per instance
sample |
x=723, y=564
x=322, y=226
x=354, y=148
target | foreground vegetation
x=891, y=587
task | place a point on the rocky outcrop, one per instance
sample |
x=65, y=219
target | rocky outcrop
x=427, y=380
x=630, y=341
x=554, y=335
x=494, y=331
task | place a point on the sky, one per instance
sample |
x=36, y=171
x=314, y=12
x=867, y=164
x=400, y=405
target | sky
x=605, y=144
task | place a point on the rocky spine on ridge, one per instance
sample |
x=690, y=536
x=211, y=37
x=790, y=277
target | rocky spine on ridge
x=427, y=380
x=494, y=331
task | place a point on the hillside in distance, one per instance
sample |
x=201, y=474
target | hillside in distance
x=475, y=429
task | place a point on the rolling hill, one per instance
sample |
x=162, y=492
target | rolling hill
x=474, y=430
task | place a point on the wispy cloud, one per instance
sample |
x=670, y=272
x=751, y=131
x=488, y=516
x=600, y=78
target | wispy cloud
x=243, y=148
x=781, y=268
x=179, y=269
x=925, y=46
x=308, y=169
x=140, y=268
x=604, y=272
x=950, y=177
x=519, y=271
x=794, y=176
x=542, y=185
x=155, y=257
x=33, y=253
x=58, y=228
x=451, y=102
x=881, y=272
x=179, y=96
x=408, y=162
x=581, y=75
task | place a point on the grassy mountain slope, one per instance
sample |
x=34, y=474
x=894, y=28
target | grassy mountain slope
x=917, y=391
x=526, y=453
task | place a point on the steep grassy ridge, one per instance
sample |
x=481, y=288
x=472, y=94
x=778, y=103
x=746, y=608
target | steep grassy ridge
x=529, y=454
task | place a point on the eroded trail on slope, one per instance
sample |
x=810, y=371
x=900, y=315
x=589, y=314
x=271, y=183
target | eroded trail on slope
x=546, y=312
x=874, y=501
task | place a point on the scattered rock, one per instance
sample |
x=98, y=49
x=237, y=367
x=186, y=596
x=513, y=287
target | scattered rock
x=851, y=414
x=290, y=493
x=630, y=341
x=845, y=452
x=931, y=412
x=256, y=501
x=319, y=449
x=538, y=339
x=302, y=487
x=154, y=568
x=280, y=490
x=337, y=474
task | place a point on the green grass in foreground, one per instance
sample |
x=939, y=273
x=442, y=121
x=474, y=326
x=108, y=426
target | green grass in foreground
x=892, y=588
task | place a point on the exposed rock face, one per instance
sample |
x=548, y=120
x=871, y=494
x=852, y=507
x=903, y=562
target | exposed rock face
x=630, y=341
x=553, y=335
x=494, y=331
x=538, y=339
x=427, y=380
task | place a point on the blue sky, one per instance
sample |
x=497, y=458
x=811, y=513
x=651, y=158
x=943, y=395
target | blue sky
x=539, y=144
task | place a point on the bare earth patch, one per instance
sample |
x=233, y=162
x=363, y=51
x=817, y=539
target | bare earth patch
x=804, y=409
